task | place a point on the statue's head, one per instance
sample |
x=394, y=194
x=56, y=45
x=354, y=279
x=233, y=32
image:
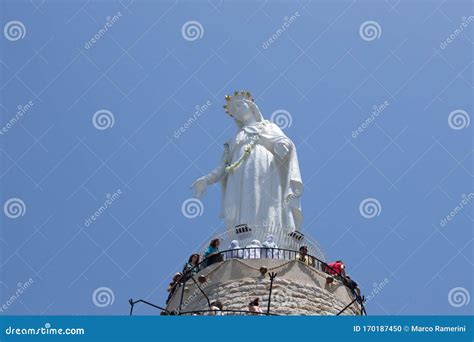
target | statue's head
x=242, y=108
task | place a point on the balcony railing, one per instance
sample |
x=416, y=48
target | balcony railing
x=249, y=253
x=284, y=237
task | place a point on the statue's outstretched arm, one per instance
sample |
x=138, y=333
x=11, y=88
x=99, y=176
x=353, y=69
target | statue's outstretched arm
x=216, y=175
x=200, y=184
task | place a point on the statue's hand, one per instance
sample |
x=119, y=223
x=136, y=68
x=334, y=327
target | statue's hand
x=281, y=149
x=199, y=186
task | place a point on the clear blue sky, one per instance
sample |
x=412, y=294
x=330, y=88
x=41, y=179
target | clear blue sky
x=323, y=70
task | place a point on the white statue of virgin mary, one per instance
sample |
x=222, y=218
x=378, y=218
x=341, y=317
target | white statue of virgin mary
x=259, y=172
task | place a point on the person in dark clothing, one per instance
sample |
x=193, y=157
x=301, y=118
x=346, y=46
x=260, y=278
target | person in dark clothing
x=191, y=268
x=217, y=307
x=353, y=286
x=254, y=307
x=212, y=252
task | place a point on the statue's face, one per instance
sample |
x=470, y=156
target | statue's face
x=241, y=111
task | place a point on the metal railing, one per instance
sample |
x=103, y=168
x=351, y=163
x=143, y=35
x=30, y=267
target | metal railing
x=283, y=236
x=249, y=253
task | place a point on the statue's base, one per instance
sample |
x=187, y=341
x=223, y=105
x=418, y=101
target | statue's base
x=297, y=289
x=284, y=238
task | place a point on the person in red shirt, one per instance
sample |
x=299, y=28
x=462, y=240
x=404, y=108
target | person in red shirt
x=337, y=268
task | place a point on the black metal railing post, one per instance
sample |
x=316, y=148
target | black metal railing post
x=183, y=285
x=202, y=291
x=132, y=304
x=344, y=309
x=272, y=276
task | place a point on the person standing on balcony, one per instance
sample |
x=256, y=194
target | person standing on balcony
x=252, y=251
x=270, y=243
x=212, y=252
x=304, y=257
x=238, y=253
x=191, y=268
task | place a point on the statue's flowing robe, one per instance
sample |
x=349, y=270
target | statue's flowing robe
x=264, y=191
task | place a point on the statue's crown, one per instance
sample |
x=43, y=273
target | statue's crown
x=238, y=95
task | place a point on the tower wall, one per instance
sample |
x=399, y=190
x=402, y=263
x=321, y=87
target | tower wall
x=297, y=289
